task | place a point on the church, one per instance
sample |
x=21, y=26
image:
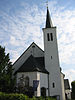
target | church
x=41, y=69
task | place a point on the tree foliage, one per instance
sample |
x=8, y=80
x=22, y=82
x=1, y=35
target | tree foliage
x=6, y=80
x=73, y=89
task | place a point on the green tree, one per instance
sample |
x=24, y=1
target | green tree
x=73, y=89
x=6, y=81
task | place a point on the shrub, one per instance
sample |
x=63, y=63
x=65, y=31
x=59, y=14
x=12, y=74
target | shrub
x=42, y=98
x=12, y=96
x=16, y=96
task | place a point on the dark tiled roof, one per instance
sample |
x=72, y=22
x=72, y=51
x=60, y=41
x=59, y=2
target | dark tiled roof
x=66, y=83
x=33, y=64
x=40, y=60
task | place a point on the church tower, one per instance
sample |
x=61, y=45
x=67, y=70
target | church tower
x=52, y=59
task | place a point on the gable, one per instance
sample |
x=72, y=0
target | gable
x=33, y=49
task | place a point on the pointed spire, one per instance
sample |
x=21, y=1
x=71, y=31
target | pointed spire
x=48, y=20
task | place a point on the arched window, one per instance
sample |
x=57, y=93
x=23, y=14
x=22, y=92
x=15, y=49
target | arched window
x=26, y=81
x=53, y=85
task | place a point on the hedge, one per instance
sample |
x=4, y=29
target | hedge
x=42, y=98
x=13, y=96
x=16, y=96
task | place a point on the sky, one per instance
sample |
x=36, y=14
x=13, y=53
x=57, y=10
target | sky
x=21, y=23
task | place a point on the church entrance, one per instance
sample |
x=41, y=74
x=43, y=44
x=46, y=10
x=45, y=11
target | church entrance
x=43, y=91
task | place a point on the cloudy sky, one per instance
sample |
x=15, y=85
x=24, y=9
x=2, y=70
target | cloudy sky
x=21, y=23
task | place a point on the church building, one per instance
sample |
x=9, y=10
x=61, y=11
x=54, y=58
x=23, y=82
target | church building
x=41, y=69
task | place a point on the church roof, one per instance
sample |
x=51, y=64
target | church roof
x=48, y=20
x=33, y=64
x=27, y=50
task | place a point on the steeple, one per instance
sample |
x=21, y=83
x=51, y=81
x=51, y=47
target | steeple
x=48, y=20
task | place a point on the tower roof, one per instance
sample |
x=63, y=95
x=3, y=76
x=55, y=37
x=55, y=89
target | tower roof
x=48, y=20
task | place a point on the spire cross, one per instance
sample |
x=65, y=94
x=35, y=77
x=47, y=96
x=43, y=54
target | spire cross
x=47, y=3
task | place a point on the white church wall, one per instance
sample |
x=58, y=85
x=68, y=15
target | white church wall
x=36, y=51
x=44, y=82
x=38, y=88
x=41, y=77
x=62, y=83
x=32, y=76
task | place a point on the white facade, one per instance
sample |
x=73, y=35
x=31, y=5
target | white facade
x=44, y=82
x=32, y=76
x=52, y=62
x=41, y=77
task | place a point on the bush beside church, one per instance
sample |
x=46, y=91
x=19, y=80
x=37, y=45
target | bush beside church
x=16, y=96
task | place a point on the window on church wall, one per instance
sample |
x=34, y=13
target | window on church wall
x=43, y=91
x=51, y=57
x=53, y=85
x=49, y=36
x=27, y=81
x=21, y=81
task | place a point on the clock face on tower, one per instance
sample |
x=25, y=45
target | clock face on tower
x=49, y=36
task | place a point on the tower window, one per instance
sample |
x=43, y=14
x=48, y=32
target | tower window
x=51, y=35
x=48, y=37
x=53, y=84
x=51, y=57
